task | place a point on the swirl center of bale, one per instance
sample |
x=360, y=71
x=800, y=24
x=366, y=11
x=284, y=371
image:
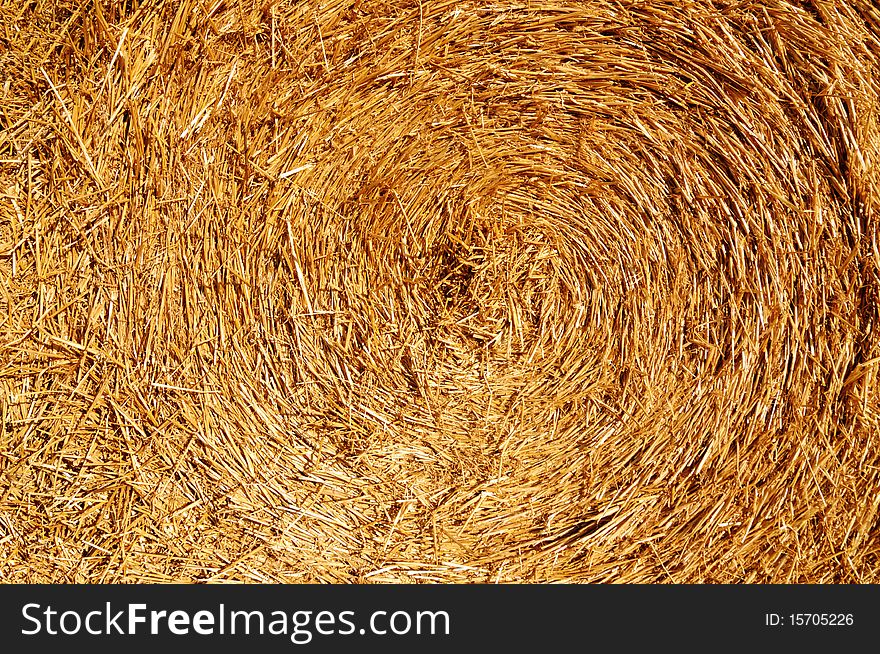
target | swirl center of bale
x=493, y=287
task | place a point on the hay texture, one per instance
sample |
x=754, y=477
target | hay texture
x=417, y=290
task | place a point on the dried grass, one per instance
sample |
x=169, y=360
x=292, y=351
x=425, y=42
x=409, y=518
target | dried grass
x=440, y=291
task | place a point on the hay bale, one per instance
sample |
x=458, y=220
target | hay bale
x=440, y=291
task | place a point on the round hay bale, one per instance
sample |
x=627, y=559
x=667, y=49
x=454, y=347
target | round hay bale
x=419, y=290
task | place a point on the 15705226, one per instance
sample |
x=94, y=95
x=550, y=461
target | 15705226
x=821, y=619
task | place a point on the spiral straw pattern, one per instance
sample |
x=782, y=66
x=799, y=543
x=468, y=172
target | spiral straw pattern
x=441, y=291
